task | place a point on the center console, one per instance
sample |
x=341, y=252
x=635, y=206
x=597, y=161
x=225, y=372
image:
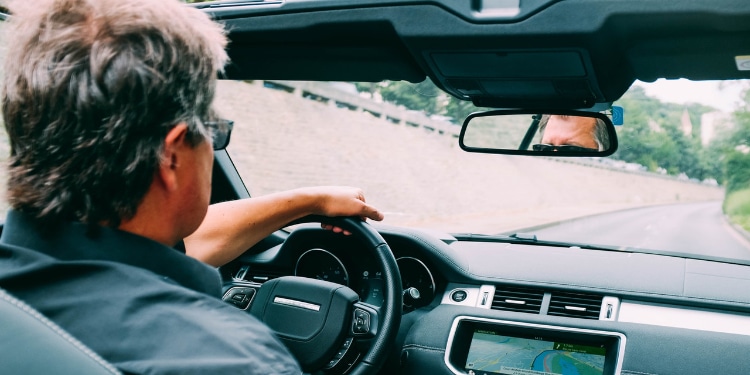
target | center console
x=480, y=346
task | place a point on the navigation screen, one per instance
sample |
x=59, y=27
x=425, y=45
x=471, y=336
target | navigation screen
x=490, y=353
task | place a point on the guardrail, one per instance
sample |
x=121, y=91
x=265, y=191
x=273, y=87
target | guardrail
x=325, y=93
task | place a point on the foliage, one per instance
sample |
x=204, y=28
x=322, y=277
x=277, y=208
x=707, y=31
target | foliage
x=741, y=133
x=653, y=136
x=425, y=97
x=736, y=159
x=741, y=220
x=737, y=171
x=737, y=206
x=736, y=151
x=459, y=109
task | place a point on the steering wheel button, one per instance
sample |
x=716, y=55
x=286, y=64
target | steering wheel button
x=332, y=363
x=361, y=323
x=347, y=343
x=359, y=328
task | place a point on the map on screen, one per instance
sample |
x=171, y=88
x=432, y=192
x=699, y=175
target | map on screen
x=491, y=353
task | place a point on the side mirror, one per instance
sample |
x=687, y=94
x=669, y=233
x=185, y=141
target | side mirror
x=543, y=133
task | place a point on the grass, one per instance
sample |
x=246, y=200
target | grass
x=737, y=207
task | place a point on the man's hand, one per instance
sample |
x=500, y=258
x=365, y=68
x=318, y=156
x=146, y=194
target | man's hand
x=343, y=201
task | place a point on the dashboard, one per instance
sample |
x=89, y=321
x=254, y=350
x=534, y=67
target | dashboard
x=477, y=307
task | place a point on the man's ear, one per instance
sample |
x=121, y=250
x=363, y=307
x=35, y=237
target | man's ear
x=174, y=144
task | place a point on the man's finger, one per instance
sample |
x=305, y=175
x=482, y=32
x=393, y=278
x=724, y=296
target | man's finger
x=371, y=212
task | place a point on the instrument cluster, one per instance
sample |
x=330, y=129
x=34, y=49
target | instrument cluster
x=360, y=274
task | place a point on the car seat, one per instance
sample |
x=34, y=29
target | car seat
x=32, y=344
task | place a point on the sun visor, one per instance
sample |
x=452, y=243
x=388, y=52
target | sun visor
x=510, y=64
x=519, y=78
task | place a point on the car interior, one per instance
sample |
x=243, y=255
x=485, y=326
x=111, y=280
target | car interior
x=427, y=302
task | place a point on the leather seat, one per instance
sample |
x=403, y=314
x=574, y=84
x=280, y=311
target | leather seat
x=32, y=344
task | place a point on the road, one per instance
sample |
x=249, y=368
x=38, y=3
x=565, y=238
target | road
x=694, y=228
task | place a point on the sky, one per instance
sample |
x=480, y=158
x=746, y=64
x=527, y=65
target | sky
x=723, y=95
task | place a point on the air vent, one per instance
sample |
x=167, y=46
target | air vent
x=575, y=305
x=517, y=299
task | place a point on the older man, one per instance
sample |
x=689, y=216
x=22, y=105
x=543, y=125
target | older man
x=107, y=104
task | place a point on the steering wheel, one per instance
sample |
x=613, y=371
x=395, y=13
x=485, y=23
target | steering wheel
x=323, y=324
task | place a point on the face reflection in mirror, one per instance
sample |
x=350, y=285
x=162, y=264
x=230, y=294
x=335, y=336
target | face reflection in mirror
x=571, y=133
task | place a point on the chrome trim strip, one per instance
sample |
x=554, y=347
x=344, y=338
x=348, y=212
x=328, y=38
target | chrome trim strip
x=296, y=303
x=458, y=319
x=241, y=273
x=486, y=295
x=575, y=308
x=682, y=317
x=610, y=308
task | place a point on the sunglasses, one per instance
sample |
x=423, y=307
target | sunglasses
x=562, y=148
x=220, y=131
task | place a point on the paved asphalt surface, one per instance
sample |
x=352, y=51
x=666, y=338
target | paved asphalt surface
x=695, y=228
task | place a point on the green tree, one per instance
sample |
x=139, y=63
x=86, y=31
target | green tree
x=424, y=96
x=458, y=109
x=653, y=136
x=736, y=147
x=738, y=171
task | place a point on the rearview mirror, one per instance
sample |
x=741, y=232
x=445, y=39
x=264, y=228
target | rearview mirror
x=550, y=133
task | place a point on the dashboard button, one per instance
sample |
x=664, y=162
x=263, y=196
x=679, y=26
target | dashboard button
x=458, y=295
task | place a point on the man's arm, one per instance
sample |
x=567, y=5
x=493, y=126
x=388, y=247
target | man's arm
x=230, y=228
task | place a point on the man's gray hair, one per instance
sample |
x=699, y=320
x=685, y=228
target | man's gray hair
x=91, y=89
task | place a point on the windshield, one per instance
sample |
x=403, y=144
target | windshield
x=664, y=189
